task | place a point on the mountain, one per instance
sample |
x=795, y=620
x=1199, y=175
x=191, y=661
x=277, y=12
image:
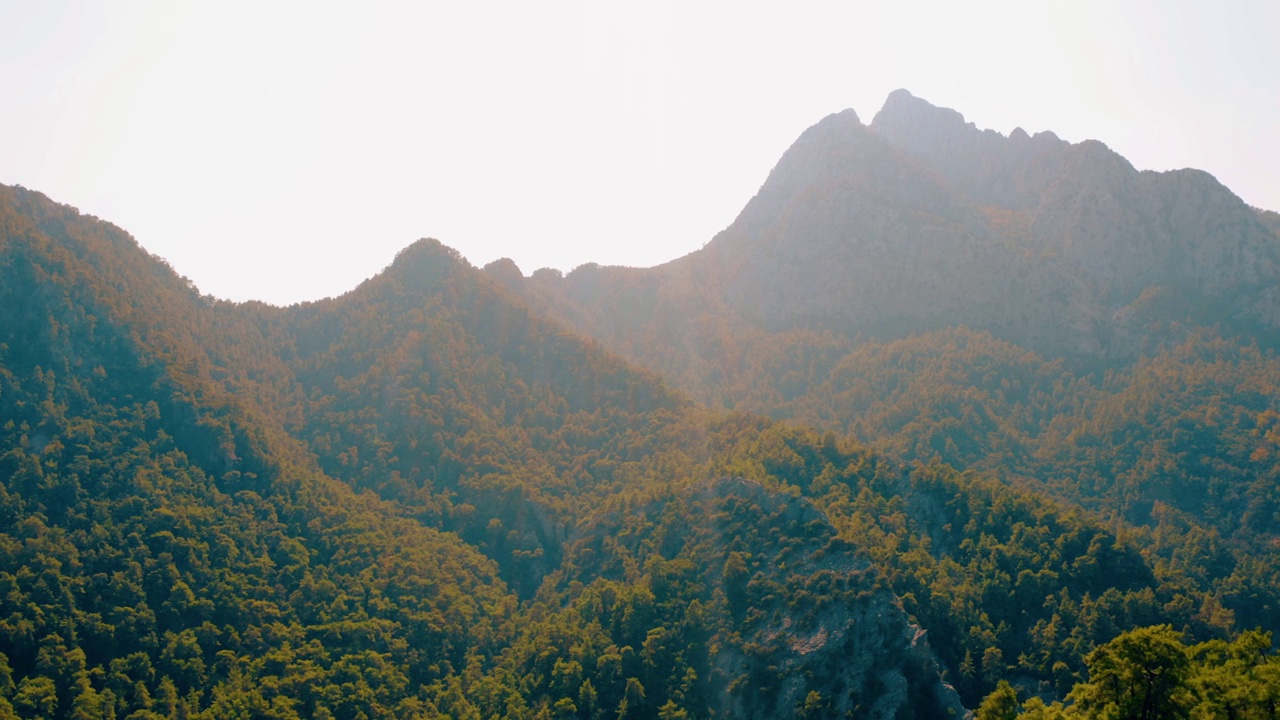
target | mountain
x=1009, y=443
x=1119, y=230
x=1033, y=310
x=920, y=221
x=921, y=226
x=167, y=547
x=348, y=508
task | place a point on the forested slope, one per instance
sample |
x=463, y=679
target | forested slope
x=227, y=510
x=168, y=550
x=1018, y=307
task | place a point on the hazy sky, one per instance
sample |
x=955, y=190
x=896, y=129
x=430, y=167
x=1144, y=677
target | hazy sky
x=285, y=151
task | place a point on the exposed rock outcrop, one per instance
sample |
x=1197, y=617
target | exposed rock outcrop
x=851, y=653
x=805, y=626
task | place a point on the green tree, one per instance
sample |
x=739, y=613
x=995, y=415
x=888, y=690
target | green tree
x=1001, y=704
x=587, y=699
x=1141, y=675
x=37, y=697
x=632, y=705
x=1237, y=679
x=815, y=706
x=672, y=711
x=1035, y=709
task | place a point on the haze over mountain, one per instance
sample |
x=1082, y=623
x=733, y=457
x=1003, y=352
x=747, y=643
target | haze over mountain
x=880, y=267
x=1032, y=405
x=565, y=134
x=920, y=221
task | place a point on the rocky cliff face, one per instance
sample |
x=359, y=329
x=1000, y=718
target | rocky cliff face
x=853, y=655
x=1124, y=231
x=1119, y=230
x=804, y=625
x=989, y=168
x=854, y=235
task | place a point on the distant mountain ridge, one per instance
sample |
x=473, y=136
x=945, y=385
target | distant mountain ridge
x=921, y=221
x=1121, y=229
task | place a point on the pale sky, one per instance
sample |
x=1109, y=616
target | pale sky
x=285, y=151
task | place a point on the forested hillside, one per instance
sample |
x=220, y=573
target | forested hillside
x=1018, y=307
x=913, y=435
x=167, y=550
x=348, y=509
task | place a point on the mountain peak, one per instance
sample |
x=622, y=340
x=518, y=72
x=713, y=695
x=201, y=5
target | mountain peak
x=507, y=273
x=900, y=95
x=847, y=115
x=504, y=267
x=983, y=164
x=904, y=113
x=829, y=149
x=422, y=264
x=836, y=123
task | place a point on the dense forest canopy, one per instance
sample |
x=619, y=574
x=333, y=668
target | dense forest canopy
x=760, y=481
